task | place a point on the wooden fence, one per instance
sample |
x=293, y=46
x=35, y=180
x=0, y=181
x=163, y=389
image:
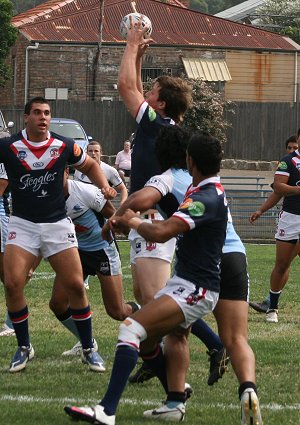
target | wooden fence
x=258, y=130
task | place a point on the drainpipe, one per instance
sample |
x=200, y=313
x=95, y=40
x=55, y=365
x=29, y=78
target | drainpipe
x=296, y=77
x=35, y=47
x=296, y=90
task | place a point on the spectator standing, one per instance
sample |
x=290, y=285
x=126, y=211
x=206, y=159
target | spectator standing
x=123, y=161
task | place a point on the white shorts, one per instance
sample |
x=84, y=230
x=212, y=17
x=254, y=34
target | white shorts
x=140, y=248
x=288, y=227
x=43, y=239
x=194, y=303
x=3, y=231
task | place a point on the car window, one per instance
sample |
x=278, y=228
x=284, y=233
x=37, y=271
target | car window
x=72, y=130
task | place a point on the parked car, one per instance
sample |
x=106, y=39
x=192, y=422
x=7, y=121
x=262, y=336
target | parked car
x=4, y=129
x=70, y=128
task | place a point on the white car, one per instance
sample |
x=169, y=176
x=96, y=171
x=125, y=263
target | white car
x=4, y=129
x=70, y=128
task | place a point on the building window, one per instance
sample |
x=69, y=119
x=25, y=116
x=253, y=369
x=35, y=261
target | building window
x=152, y=73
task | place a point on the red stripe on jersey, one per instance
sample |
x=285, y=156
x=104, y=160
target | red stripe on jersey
x=24, y=163
x=38, y=151
x=219, y=186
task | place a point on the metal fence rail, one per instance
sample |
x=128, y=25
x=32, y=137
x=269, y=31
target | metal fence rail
x=242, y=205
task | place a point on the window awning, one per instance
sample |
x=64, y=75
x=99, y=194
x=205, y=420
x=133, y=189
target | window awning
x=207, y=69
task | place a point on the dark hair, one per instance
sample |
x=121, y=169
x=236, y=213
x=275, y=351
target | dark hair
x=170, y=147
x=37, y=99
x=298, y=133
x=291, y=139
x=206, y=152
x=177, y=94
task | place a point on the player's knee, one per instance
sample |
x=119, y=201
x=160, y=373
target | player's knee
x=13, y=286
x=116, y=313
x=131, y=333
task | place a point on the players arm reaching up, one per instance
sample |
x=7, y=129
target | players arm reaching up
x=129, y=79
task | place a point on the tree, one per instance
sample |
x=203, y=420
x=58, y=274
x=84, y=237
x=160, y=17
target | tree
x=7, y=39
x=208, y=111
x=199, y=5
x=281, y=16
x=23, y=5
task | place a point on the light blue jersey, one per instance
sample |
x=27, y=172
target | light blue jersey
x=83, y=204
x=233, y=242
x=172, y=184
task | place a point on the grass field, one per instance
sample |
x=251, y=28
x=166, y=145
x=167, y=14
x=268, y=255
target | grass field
x=38, y=394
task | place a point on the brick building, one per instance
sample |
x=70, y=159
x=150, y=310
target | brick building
x=58, y=53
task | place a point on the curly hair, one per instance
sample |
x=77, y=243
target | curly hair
x=170, y=147
x=177, y=94
x=206, y=152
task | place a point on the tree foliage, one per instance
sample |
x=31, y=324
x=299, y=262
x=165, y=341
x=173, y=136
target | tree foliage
x=7, y=39
x=212, y=6
x=206, y=6
x=208, y=111
x=281, y=16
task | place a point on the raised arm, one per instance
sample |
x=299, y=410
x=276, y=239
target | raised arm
x=129, y=79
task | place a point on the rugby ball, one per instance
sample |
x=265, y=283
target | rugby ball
x=135, y=18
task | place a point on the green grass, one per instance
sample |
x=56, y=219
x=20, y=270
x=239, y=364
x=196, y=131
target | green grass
x=38, y=394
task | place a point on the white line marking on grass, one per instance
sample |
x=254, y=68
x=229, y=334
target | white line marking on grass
x=42, y=275
x=134, y=402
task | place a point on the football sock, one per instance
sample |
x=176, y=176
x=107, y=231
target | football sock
x=245, y=385
x=125, y=360
x=20, y=324
x=8, y=322
x=83, y=321
x=175, y=397
x=66, y=320
x=274, y=298
x=209, y=338
x=156, y=362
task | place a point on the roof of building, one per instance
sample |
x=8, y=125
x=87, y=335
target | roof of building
x=77, y=21
x=241, y=11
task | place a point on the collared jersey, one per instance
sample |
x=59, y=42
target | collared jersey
x=172, y=185
x=290, y=166
x=83, y=204
x=36, y=172
x=198, y=251
x=112, y=175
x=144, y=163
x=4, y=199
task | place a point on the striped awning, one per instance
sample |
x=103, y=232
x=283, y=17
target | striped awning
x=207, y=69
